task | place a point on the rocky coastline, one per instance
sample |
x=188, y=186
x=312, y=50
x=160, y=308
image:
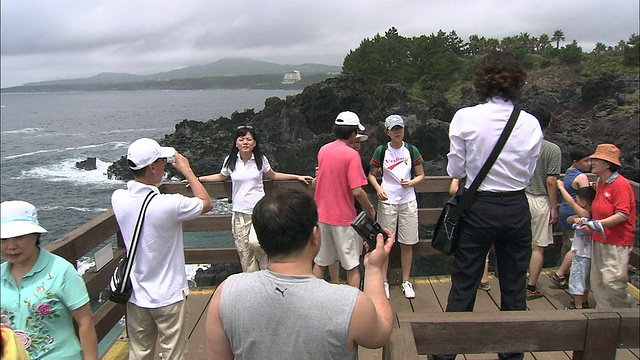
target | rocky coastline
x=292, y=130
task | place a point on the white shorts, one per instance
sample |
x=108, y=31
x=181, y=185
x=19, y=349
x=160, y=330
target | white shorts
x=339, y=243
x=541, y=230
x=404, y=217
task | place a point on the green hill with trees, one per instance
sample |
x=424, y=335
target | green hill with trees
x=444, y=62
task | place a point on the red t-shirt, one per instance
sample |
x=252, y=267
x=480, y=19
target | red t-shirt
x=339, y=171
x=613, y=197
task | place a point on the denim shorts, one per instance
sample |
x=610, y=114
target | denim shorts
x=579, y=275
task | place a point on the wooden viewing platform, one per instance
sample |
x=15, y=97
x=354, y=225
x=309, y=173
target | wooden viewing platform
x=423, y=315
x=421, y=326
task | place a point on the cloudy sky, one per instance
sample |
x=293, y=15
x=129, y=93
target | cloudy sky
x=48, y=40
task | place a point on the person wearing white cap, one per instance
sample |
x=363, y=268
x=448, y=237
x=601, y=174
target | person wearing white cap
x=246, y=166
x=157, y=309
x=401, y=166
x=42, y=293
x=340, y=180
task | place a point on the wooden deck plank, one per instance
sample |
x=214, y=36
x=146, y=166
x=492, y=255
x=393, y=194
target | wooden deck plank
x=625, y=354
x=198, y=317
x=559, y=298
x=399, y=303
x=441, y=286
x=426, y=299
x=542, y=304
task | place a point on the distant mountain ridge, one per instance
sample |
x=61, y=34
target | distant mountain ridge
x=228, y=67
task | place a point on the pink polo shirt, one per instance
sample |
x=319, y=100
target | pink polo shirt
x=339, y=171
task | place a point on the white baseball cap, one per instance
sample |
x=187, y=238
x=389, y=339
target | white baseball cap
x=143, y=152
x=393, y=120
x=19, y=218
x=361, y=137
x=349, y=118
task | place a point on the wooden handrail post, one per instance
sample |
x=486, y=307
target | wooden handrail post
x=601, y=339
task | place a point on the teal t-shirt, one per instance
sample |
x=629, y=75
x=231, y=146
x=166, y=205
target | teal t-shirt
x=39, y=309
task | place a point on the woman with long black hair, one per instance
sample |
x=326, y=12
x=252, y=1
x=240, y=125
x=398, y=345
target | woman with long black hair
x=246, y=166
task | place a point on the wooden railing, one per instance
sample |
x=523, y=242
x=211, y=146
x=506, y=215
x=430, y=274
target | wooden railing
x=89, y=236
x=590, y=334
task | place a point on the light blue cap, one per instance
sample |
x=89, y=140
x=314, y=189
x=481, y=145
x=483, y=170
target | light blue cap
x=393, y=120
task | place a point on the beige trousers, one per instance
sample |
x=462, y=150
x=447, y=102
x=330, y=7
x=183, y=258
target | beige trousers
x=252, y=257
x=609, y=275
x=167, y=324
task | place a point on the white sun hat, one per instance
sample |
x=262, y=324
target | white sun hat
x=19, y=218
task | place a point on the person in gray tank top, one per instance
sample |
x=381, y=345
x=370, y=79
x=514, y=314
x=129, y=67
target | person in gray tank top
x=284, y=312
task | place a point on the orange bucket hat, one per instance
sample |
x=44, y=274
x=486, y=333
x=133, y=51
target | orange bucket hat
x=608, y=152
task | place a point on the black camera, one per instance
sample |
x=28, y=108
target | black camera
x=366, y=227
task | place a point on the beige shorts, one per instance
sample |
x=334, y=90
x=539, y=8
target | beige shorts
x=541, y=230
x=339, y=243
x=404, y=217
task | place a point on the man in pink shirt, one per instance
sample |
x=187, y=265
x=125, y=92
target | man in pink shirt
x=340, y=179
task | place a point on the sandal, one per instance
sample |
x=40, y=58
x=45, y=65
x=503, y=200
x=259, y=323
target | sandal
x=572, y=307
x=585, y=305
x=559, y=281
x=484, y=286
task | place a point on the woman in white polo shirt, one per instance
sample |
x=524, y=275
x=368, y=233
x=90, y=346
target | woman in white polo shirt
x=246, y=174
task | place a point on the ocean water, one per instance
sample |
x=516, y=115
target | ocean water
x=43, y=135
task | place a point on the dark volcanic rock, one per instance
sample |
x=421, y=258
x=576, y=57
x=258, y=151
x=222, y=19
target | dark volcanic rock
x=88, y=164
x=292, y=130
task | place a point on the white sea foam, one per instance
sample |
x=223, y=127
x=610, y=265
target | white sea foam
x=29, y=130
x=111, y=144
x=119, y=131
x=66, y=171
x=86, y=262
x=81, y=209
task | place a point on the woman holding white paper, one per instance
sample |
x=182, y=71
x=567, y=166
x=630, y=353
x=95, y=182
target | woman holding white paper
x=401, y=165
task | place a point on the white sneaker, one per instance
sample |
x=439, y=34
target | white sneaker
x=386, y=290
x=407, y=289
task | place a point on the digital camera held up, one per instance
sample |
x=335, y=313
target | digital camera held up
x=366, y=227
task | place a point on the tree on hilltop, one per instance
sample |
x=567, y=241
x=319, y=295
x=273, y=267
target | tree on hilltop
x=558, y=36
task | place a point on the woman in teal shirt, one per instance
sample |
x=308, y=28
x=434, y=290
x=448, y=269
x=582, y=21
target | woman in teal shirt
x=42, y=293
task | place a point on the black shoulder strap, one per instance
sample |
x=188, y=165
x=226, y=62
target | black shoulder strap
x=134, y=240
x=467, y=196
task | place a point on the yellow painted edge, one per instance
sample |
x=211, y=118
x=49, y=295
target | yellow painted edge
x=633, y=291
x=202, y=290
x=118, y=351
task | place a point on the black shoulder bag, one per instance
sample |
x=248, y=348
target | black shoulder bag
x=120, y=288
x=445, y=234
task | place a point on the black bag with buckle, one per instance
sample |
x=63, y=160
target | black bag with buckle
x=120, y=288
x=446, y=231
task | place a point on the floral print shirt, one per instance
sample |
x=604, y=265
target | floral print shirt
x=39, y=308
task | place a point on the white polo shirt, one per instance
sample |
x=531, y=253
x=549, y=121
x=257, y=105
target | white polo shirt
x=158, y=273
x=246, y=180
x=474, y=132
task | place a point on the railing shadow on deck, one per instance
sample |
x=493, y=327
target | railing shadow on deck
x=82, y=240
x=590, y=334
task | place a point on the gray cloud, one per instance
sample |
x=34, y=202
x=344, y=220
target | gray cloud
x=70, y=39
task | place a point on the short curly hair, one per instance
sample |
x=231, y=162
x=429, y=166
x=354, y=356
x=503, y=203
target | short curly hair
x=500, y=74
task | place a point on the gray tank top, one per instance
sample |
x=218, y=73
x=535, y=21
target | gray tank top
x=267, y=315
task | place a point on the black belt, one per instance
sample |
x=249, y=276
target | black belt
x=500, y=194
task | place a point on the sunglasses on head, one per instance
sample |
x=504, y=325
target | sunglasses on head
x=244, y=127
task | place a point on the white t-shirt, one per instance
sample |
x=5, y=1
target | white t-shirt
x=158, y=273
x=396, y=167
x=581, y=244
x=246, y=181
